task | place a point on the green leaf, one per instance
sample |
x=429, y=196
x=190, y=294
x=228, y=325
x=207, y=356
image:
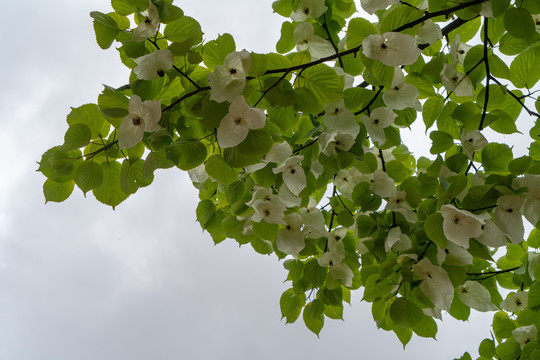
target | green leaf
x=57, y=191
x=256, y=144
x=524, y=68
x=110, y=191
x=264, y=230
x=218, y=169
x=215, y=51
x=186, y=154
x=286, y=42
x=90, y=115
x=104, y=20
x=441, y=142
x=508, y=350
x=185, y=29
x=313, y=316
x=487, y=348
x=113, y=104
x=291, y=305
x=127, y=7
x=495, y=157
x=398, y=16
x=534, y=296
x=323, y=82
x=426, y=328
x=519, y=23
x=405, y=313
x=475, y=72
x=77, y=136
x=503, y=325
x=434, y=229
x=357, y=30
x=432, y=109
x=88, y=176
x=105, y=35
x=205, y=210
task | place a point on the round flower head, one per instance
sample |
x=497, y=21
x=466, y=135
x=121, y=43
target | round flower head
x=461, y=225
x=235, y=126
x=428, y=33
x=337, y=117
x=154, y=65
x=391, y=48
x=455, y=81
x=379, y=119
x=305, y=39
x=401, y=95
x=370, y=6
x=458, y=50
x=472, y=141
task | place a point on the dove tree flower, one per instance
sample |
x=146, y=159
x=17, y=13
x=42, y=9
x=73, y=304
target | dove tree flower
x=461, y=225
x=308, y=9
x=472, y=141
x=396, y=240
x=508, y=217
x=241, y=118
x=290, y=239
x=305, y=39
x=333, y=258
x=377, y=121
x=456, y=82
x=154, y=65
x=428, y=33
x=337, y=117
x=458, y=51
x=143, y=117
x=524, y=334
x=149, y=25
x=391, y=48
x=370, y=6
x=293, y=174
x=515, y=301
x=475, y=295
x=401, y=95
x=435, y=283
x=228, y=81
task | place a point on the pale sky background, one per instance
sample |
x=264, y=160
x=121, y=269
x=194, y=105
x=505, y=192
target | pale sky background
x=80, y=281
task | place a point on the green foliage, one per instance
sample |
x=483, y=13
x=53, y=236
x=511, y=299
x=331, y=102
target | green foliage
x=299, y=153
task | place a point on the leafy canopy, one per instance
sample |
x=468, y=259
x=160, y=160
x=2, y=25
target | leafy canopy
x=298, y=152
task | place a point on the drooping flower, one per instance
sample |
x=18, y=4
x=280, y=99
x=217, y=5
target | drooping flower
x=524, y=334
x=149, y=25
x=508, y=217
x=198, y=174
x=309, y=9
x=227, y=81
x=347, y=179
x=333, y=258
x=517, y=301
x=305, y=39
x=290, y=239
x=143, y=116
x=428, y=33
x=472, y=141
x=491, y=235
x=330, y=141
x=293, y=174
x=475, y=296
x=370, y=6
x=278, y=153
x=396, y=240
x=154, y=65
x=458, y=51
x=536, y=19
x=382, y=184
x=454, y=255
x=435, y=283
x=531, y=206
x=270, y=209
x=235, y=126
x=534, y=260
x=313, y=218
x=455, y=81
x=461, y=225
x=391, y=48
x=337, y=117
x=379, y=119
x=396, y=202
x=401, y=95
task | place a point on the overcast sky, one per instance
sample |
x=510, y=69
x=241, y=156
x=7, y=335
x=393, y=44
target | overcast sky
x=80, y=281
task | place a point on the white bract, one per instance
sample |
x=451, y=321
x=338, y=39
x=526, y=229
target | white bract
x=382, y=184
x=455, y=81
x=461, y=225
x=337, y=117
x=370, y=6
x=305, y=39
x=475, y=296
x=309, y=9
x=531, y=206
x=396, y=202
x=525, y=334
x=290, y=239
x=376, y=122
x=313, y=218
x=234, y=127
x=458, y=51
x=334, y=256
x=436, y=284
x=227, y=81
x=517, y=301
x=149, y=25
x=154, y=65
x=391, y=48
x=472, y=141
x=396, y=240
x=428, y=33
x=330, y=141
x=508, y=217
x=143, y=116
x=492, y=235
x=453, y=254
x=293, y=174
x=401, y=95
